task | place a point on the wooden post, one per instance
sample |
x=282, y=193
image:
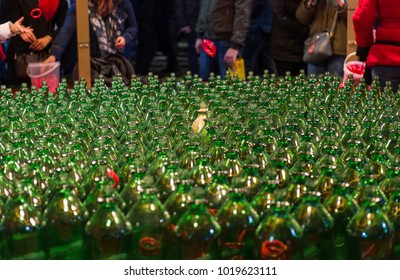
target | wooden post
x=351, y=38
x=82, y=26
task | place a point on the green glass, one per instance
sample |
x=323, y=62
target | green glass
x=317, y=225
x=238, y=221
x=166, y=183
x=178, y=202
x=217, y=192
x=131, y=192
x=22, y=230
x=103, y=187
x=392, y=211
x=107, y=232
x=342, y=207
x=151, y=225
x=64, y=220
x=279, y=235
x=202, y=173
x=371, y=233
x=196, y=233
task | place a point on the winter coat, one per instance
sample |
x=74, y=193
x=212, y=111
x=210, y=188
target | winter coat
x=225, y=20
x=288, y=34
x=388, y=12
x=187, y=12
x=321, y=17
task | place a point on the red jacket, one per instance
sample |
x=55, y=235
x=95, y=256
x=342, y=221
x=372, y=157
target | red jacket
x=388, y=13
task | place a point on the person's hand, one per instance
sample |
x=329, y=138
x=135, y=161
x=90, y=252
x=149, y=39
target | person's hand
x=340, y=3
x=197, y=45
x=311, y=3
x=41, y=43
x=50, y=59
x=230, y=57
x=28, y=37
x=120, y=42
x=186, y=29
x=18, y=28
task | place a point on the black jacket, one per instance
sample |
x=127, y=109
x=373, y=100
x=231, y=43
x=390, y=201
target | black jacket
x=288, y=34
x=187, y=12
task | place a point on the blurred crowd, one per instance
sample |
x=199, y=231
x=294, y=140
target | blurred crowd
x=127, y=34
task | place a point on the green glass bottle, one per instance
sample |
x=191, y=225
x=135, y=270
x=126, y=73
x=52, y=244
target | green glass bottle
x=178, y=202
x=131, y=192
x=22, y=230
x=279, y=235
x=197, y=231
x=108, y=231
x=371, y=233
x=392, y=211
x=317, y=226
x=342, y=207
x=202, y=173
x=217, y=192
x=151, y=225
x=238, y=221
x=166, y=183
x=64, y=220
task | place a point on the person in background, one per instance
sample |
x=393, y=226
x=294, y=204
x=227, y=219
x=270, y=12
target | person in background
x=45, y=17
x=226, y=23
x=382, y=50
x=256, y=51
x=112, y=26
x=147, y=41
x=287, y=37
x=187, y=12
x=319, y=14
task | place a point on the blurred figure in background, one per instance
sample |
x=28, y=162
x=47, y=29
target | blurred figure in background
x=187, y=12
x=319, y=14
x=226, y=23
x=256, y=51
x=383, y=53
x=112, y=26
x=45, y=17
x=147, y=41
x=287, y=37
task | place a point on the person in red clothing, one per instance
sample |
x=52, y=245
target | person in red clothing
x=382, y=50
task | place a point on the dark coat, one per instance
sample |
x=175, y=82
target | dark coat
x=225, y=20
x=187, y=12
x=288, y=34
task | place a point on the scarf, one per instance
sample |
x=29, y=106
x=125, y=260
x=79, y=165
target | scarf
x=107, y=29
x=49, y=8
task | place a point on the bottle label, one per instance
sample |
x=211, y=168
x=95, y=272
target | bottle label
x=213, y=211
x=70, y=251
x=150, y=246
x=273, y=250
x=233, y=250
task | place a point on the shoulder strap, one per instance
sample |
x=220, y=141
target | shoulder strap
x=333, y=27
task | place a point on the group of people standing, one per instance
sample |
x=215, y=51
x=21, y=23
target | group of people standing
x=268, y=34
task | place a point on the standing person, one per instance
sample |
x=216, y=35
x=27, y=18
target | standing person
x=112, y=26
x=226, y=23
x=256, y=51
x=147, y=45
x=383, y=53
x=287, y=37
x=43, y=17
x=187, y=12
x=320, y=14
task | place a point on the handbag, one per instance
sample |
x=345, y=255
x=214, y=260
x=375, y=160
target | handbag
x=22, y=60
x=319, y=46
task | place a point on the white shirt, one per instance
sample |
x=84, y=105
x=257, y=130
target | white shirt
x=5, y=32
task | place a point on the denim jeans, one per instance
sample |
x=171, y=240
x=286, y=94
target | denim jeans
x=387, y=73
x=215, y=64
x=333, y=65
